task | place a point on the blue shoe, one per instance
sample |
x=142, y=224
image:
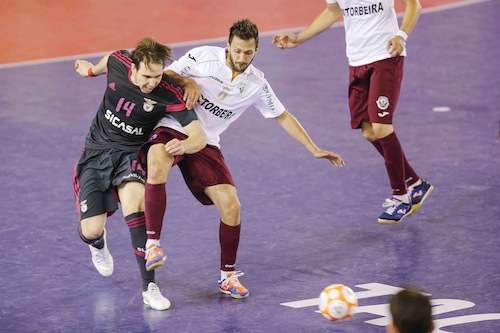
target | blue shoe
x=419, y=194
x=395, y=211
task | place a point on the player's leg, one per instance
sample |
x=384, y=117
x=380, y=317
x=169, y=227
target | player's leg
x=159, y=164
x=95, y=201
x=418, y=188
x=132, y=199
x=385, y=82
x=93, y=233
x=226, y=201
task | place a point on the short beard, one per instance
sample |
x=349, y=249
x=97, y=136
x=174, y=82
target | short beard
x=233, y=65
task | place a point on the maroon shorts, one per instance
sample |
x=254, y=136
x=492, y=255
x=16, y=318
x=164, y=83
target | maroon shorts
x=374, y=91
x=200, y=170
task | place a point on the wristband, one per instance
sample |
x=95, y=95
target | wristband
x=402, y=34
x=90, y=73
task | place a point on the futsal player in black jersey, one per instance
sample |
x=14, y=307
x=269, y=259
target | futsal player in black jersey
x=137, y=96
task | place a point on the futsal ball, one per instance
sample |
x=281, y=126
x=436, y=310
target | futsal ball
x=337, y=302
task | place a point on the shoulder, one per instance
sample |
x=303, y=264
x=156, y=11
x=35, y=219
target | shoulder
x=256, y=74
x=170, y=85
x=204, y=54
x=120, y=57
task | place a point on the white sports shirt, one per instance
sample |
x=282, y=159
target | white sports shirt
x=369, y=25
x=223, y=100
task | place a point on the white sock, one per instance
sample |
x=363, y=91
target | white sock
x=224, y=275
x=412, y=186
x=149, y=242
x=404, y=198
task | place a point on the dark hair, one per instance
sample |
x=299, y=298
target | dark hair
x=411, y=311
x=244, y=29
x=148, y=51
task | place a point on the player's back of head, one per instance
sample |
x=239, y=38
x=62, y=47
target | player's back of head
x=411, y=312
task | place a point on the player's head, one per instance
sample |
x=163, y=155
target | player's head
x=242, y=45
x=411, y=312
x=148, y=60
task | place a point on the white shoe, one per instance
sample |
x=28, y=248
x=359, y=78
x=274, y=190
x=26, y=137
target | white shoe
x=102, y=259
x=154, y=298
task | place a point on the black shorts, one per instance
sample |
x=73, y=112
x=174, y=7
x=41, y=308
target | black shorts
x=200, y=170
x=97, y=174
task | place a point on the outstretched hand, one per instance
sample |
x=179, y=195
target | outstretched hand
x=82, y=67
x=286, y=40
x=335, y=159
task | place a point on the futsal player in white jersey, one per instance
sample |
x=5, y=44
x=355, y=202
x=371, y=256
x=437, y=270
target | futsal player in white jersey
x=376, y=52
x=224, y=84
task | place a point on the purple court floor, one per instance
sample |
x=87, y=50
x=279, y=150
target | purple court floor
x=305, y=224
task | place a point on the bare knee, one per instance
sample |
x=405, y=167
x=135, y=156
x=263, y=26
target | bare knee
x=93, y=227
x=230, y=211
x=367, y=131
x=159, y=164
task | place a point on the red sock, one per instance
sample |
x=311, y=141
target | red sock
x=229, y=238
x=394, y=163
x=155, y=201
x=411, y=176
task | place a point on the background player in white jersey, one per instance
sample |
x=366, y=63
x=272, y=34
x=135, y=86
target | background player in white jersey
x=225, y=84
x=138, y=94
x=375, y=50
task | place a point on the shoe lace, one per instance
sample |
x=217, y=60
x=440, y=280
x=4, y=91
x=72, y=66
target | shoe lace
x=233, y=279
x=99, y=255
x=154, y=292
x=391, y=205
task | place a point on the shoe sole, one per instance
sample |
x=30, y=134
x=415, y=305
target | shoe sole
x=154, y=265
x=392, y=221
x=157, y=309
x=416, y=207
x=234, y=295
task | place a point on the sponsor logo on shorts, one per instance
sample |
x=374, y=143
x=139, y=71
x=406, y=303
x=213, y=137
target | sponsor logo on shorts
x=383, y=114
x=383, y=103
x=83, y=206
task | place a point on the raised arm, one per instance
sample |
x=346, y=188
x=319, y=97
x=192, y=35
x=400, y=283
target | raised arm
x=292, y=126
x=331, y=14
x=86, y=68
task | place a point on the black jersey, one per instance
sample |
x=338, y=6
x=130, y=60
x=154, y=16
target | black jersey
x=126, y=115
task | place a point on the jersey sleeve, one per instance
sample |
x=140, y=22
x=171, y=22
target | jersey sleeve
x=185, y=117
x=268, y=103
x=119, y=61
x=185, y=65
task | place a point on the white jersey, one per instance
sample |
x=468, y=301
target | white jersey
x=223, y=100
x=369, y=25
